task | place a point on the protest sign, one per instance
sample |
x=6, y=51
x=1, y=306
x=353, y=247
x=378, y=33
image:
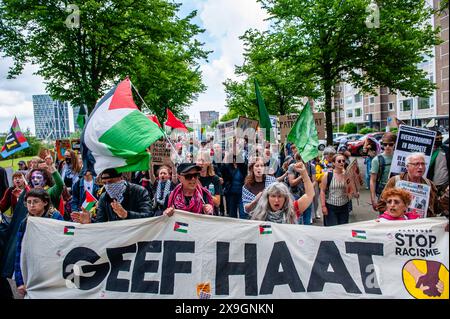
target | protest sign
x=196, y=256
x=411, y=140
x=285, y=123
x=160, y=152
x=353, y=179
x=61, y=147
x=420, y=194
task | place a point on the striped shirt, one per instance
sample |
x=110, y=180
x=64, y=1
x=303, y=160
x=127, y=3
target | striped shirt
x=336, y=194
x=248, y=196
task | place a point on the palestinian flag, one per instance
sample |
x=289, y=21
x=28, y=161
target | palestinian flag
x=117, y=133
x=180, y=227
x=69, y=230
x=89, y=202
x=265, y=229
x=361, y=234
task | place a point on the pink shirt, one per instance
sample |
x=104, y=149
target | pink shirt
x=409, y=215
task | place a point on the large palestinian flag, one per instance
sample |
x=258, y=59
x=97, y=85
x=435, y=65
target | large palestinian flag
x=117, y=134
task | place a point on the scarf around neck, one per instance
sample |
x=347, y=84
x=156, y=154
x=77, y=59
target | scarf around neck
x=195, y=205
x=276, y=217
x=162, y=190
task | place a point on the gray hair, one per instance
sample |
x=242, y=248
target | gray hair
x=329, y=150
x=263, y=206
x=418, y=154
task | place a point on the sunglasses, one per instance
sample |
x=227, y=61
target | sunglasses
x=388, y=144
x=340, y=161
x=191, y=176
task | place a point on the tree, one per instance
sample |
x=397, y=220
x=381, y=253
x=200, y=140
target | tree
x=282, y=88
x=336, y=40
x=81, y=54
x=350, y=128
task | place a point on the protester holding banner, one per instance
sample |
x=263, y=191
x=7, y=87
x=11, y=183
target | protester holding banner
x=162, y=188
x=397, y=202
x=415, y=170
x=189, y=195
x=276, y=203
x=38, y=204
x=439, y=164
x=12, y=194
x=122, y=200
x=333, y=195
x=381, y=165
x=255, y=182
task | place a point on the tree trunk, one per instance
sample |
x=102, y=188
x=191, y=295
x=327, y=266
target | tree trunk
x=328, y=111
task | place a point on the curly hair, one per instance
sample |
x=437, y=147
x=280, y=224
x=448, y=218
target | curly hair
x=404, y=195
x=47, y=176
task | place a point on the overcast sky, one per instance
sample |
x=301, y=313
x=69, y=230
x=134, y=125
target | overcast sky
x=224, y=21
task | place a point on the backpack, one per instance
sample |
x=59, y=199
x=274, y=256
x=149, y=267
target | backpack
x=379, y=187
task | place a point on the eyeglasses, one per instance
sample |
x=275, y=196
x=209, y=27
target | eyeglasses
x=388, y=144
x=32, y=202
x=340, y=161
x=417, y=164
x=191, y=176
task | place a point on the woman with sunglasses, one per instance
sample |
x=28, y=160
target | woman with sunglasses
x=333, y=194
x=380, y=167
x=189, y=195
x=38, y=204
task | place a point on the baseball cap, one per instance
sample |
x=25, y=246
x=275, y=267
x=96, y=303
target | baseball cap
x=110, y=173
x=186, y=167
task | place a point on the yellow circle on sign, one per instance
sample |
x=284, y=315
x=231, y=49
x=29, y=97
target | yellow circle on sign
x=416, y=268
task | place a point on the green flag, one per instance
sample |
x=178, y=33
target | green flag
x=264, y=120
x=81, y=118
x=304, y=134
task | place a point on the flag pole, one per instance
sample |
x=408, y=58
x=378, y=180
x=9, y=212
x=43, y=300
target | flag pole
x=164, y=133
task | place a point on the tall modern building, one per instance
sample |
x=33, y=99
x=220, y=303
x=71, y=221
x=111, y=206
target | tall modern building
x=208, y=117
x=379, y=110
x=51, y=118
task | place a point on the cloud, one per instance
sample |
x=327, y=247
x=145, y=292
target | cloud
x=224, y=21
x=16, y=96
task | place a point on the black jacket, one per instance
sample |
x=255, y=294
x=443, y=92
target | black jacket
x=136, y=202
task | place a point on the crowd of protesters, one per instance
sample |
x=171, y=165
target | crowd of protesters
x=238, y=181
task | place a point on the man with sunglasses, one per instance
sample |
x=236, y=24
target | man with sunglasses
x=189, y=195
x=381, y=165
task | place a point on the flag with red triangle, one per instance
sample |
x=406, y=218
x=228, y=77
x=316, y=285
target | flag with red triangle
x=174, y=122
x=89, y=202
x=154, y=118
x=118, y=134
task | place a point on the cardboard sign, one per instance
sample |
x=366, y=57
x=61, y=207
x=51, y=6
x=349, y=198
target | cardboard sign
x=160, y=152
x=244, y=123
x=287, y=121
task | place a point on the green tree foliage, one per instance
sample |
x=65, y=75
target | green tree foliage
x=145, y=40
x=366, y=130
x=350, y=128
x=329, y=41
x=281, y=86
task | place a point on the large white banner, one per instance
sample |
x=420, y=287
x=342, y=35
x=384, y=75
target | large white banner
x=195, y=256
